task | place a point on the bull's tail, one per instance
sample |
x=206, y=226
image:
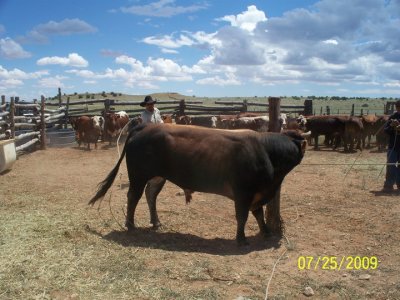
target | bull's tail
x=108, y=181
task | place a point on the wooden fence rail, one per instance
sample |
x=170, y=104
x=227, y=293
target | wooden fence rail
x=27, y=122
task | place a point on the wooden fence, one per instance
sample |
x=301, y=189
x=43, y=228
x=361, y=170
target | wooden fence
x=175, y=107
x=387, y=109
x=27, y=123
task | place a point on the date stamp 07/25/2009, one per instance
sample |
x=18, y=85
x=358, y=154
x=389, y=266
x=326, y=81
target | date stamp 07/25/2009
x=337, y=263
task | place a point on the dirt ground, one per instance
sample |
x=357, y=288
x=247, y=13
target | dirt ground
x=54, y=246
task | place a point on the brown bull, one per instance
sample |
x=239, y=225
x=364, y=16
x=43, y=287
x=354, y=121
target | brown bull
x=245, y=166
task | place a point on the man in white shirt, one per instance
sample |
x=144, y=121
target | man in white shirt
x=151, y=114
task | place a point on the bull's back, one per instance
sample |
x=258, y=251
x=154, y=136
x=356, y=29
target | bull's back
x=326, y=124
x=200, y=159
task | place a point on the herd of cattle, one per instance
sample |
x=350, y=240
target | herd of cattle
x=349, y=132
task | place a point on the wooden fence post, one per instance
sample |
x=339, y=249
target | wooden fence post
x=66, y=117
x=17, y=109
x=59, y=97
x=352, y=110
x=3, y=103
x=308, y=107
x=328, y=110
x=107, y=105
x=42, y=125
x=12, y=115
x=244, y=108
x=272, y=210
x=182, y=106
x=274, y=114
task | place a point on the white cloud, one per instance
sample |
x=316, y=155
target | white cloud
x=52, y=82
x=20, y=75
x=11, y=83
x=141, y=75
x=41, y=33
x=90, y=81
x=169, y=51
x=332, y=42
x=73, y=60
x=217, y=80
x=162, y=8
x=167, y=41
x=167, y=68
x=247, y=20
x=16, y=78
x=392, y=84
x=10, y=49
x=237, y=47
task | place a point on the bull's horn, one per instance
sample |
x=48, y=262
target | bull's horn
x=306, y=134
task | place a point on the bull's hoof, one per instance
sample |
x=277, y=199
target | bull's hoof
x=156, y=225
x=130, y=226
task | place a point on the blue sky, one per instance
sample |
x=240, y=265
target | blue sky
x=203, y=48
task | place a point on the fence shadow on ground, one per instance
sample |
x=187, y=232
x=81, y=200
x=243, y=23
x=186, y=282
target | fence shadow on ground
x=184, y=242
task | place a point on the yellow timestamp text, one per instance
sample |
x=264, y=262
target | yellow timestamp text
x=337, y=263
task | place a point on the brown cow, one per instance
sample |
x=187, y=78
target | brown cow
x=253, y=123
x=371, y=126
x=249, y=170
x=167, y=118
x=114, y=123
x=182, y=120
x=353, y=132
x=87, y=130
x=335, y=128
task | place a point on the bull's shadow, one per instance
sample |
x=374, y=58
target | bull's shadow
x=175, y=241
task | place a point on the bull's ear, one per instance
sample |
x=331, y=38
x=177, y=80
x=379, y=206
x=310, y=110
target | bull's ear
x=303, y=146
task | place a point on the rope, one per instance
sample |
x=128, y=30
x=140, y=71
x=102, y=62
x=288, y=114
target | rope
x=397, y=164
x=272, y=273
x=119, y=153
